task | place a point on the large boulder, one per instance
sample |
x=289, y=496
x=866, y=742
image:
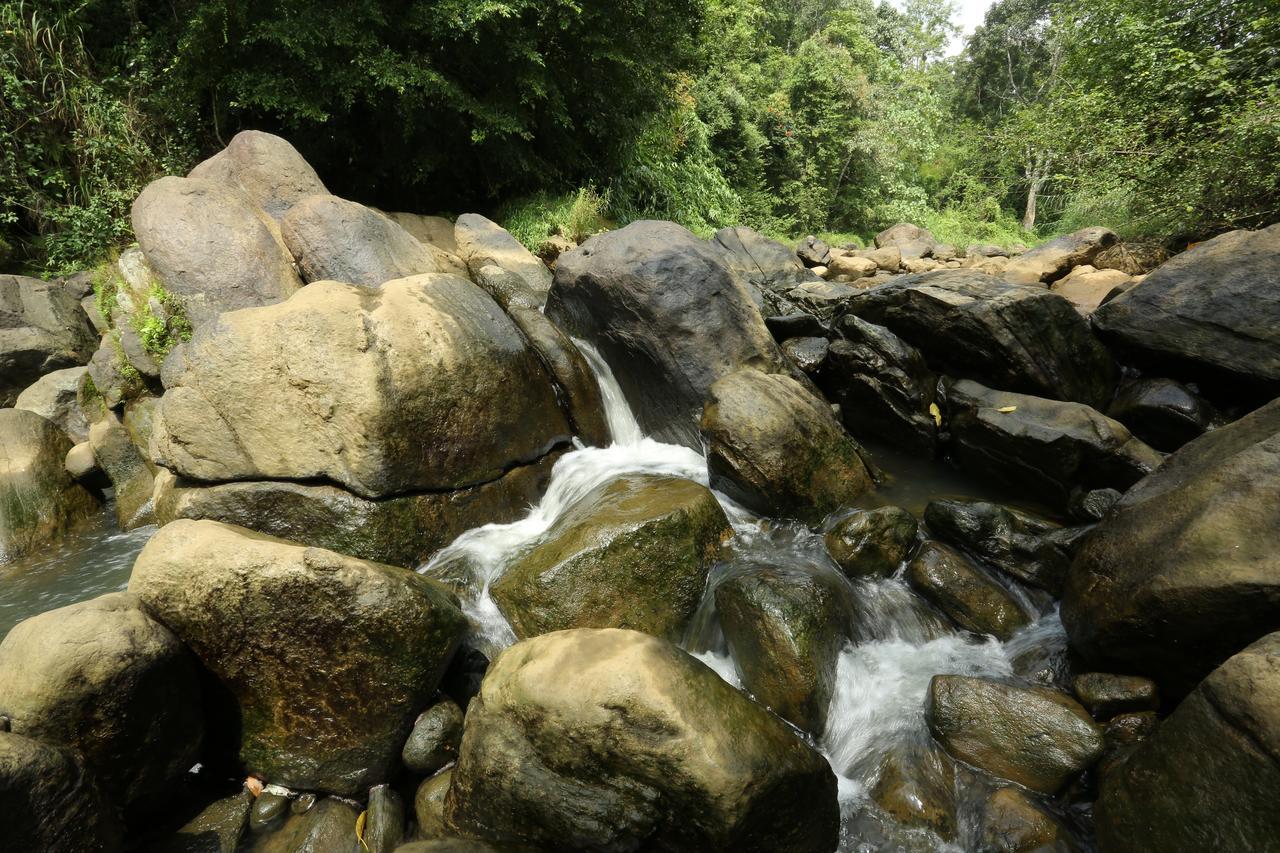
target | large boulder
x=1012, y=336
x=882, y=384
x=1050, y=261
x=1047, y=448
x=422, y=384
x=778, y=449
x=104, y=678
x=328, y=659
x=785, y=630
x=404, y=530
x=608, y=739
x=1025, y=546
x=767, y=265
x=50, y=803
x=482, y=242
x=632, y=553
x=964, y=592
x=1211, y=311
x=38, y=499
x=338, y=240
x=1035, y=736
x=1228, y=730
x=667, y=315
x=212, y=247
x=56, y=397
x=42, y=328
x=1185, y=571
x=911, y=240
x=436, y=234
x=267, y=169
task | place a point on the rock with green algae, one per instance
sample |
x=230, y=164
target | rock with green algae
x=327, y=658
x=607, y=739
x=633, y=553
x=872, y=543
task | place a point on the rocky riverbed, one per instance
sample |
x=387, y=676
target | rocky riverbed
x=661, y=544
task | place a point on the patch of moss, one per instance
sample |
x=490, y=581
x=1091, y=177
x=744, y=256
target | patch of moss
x=105, y=293
x=159, y=334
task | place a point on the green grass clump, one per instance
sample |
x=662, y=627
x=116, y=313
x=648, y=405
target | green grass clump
x=159, y=334
x=575, y=215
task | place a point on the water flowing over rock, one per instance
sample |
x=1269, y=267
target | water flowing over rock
x=1228, y=730
x=1012, y=822
x=964, y=592
x=1210, y=515
x=633, y=553
x=104, y=678
x=422, y=384
x=42, y=329
x=1034, y=736
x=1024, y=546
x=211, y=247
x=1005, y=335
x=38, y=499
x=607, y=739
x=343, y=655
x=1052, y=260
x=265, y=168
x=50, y=803
x=883, y=385
x=1212, y=311
x=338, y=240
x=665, y=311
x=872, y=542
x=785, y=630
x=778, y=449
x=1047, y=448
x=482, y=242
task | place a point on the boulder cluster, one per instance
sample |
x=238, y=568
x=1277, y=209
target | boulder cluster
x=311, y=397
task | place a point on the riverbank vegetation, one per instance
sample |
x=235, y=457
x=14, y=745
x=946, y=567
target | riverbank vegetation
x=1157, y=118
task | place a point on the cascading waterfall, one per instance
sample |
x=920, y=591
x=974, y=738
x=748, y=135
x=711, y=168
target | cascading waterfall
x=901, y=643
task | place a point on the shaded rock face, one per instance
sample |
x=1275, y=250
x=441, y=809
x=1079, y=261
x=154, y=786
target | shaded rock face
x=345, y=652
x=808, y=354
x=972, y=325
x=217, y=829
x=607, y=739
x=1210, y=515
x=265, y=168
x=964, y=592
x=422, y=384
x=42, y=329
x=482, y=242
x=633, y=553
x=1212, y=311
x=1013, y=822
x=1054, y=259
x=873, y=542
x=667, y=315
x=1047, y=448
x=38, y=499
x=210, y=246
x=338, y=240
x=56, y=397
x=1031, y=549
x=128, y=471
x=785, y=630
x=764, y=264
x=1163, y=413
x=1035, y=736
x=883, y=385
x=433, y=743
x=778, y=449
x=104, y=678
x=1228, y=729
x=50, y=803
x=403, y=531
x=329, y=825
x=813, y=252
x=428, y=805
x=1107, y=695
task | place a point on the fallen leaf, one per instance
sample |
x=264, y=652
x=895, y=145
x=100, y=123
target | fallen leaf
x=1007, y=409
x=936, y=412
x=360, y=821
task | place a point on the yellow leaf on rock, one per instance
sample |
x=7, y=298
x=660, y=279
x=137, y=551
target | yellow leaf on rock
x=360, y=821
x=1007, y=409
x=936, y=412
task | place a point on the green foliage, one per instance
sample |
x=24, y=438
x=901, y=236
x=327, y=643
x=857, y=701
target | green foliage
x=106, y=296
x=161, y=332
x=576, y=215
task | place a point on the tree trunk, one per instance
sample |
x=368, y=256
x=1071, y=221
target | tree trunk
x=1029, y=217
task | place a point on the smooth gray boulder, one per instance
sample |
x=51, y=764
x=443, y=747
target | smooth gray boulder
x=42, y=329
x=1052, y=260
x=105, y=679
x=56, y=397
x=345, y=652
x=333, y=239
x=266, y=168
x=482, y=242
x=607, y=739
x=667, y=315
x=1210, y=516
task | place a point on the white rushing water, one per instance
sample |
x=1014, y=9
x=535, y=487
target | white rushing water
x=882, y=680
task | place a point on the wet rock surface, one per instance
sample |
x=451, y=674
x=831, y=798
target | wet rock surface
x=872, y=542
x=1022, y=545
x=964, y=591
x=50, y=802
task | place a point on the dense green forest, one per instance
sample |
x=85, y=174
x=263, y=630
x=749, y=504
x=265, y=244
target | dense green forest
x=1158, y=118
